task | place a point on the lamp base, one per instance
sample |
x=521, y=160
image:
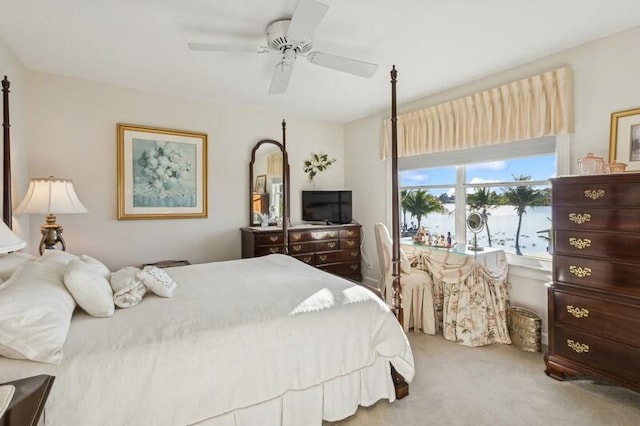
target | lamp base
x=51, y=235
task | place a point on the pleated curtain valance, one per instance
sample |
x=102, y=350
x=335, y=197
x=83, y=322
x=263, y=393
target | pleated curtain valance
x=534, y=107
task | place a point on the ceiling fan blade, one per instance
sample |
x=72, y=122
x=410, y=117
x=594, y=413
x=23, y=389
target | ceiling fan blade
x=281, y=77
x=306, y=18
x=348, y=65
x=227, y=47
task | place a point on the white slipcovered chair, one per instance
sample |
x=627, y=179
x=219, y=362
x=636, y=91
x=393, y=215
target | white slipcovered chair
x=417, y=286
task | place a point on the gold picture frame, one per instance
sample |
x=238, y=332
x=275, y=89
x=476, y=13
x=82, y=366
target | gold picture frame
x=261, y=184
x=624, y=139
x=162, y=173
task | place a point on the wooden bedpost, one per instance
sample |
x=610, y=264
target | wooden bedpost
x=285, y=188
x=6, y=156
x=401, y=386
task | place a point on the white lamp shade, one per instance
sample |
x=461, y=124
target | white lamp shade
x=8, y=240
x=50, y=195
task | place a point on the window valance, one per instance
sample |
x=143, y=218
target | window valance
x=534, y=107
x=274, y=164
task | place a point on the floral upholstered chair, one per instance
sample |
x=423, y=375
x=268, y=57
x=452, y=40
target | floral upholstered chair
x=417, y=286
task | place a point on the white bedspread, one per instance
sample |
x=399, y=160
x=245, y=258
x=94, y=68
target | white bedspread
x=234, y=334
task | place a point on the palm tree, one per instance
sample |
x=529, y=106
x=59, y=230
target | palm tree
x=521, y=197
x=482, y=200
x=403, y=205
x=420, y=203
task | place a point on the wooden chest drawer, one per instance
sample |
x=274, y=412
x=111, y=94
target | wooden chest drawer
x=623, y=247
x=327, y=245
x=264, y=250
x=337, y=256
x=297, y=248
x=269, y=239
x=595, y=316
x=349, y=243
x=598, y=274
x=597, y=192
x=349, y=269
x=587, y=218
x=308, y=258
x=350, y=233
x=603, y=355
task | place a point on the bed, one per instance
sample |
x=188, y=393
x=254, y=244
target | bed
x=266, y=340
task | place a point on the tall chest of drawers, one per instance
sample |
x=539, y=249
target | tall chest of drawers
x=594, y=300
x=332, y=248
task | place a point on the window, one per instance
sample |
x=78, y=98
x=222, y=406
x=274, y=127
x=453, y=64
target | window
x=511, y=191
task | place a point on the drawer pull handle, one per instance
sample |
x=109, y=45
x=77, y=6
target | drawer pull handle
x=349, y=233
x=578, y=312
x=354, y=254
x=297, y=247
x=580, y=218
x=351, y=243
x=333, y=235
x=274, y=250
x=594, y=194
x=323, y=257
x=579, y=243
x=307, y=259
x=354, y=267
x=296, y=236
x=274, y=238
x=331, y=244
x=579, y=271
x=577, y=346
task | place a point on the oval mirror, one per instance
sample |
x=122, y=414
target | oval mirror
x=266, y=183
x=475, y=222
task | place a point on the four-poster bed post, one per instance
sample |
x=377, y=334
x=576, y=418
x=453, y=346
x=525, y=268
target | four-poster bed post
x=6, y=156
x=285, y=188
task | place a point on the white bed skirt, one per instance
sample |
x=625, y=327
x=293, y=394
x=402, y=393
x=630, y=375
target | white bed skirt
x=333, y=400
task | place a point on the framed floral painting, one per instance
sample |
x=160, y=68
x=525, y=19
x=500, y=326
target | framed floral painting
x=162, y=173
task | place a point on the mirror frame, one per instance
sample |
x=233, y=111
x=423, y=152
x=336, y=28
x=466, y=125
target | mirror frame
x=472, y=218
x=285, y=177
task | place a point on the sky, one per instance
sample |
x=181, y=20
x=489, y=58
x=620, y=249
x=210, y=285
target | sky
x=539, y=168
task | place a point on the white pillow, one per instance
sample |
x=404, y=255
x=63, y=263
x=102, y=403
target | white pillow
x=405, y=265
x=158, y=281
x=90, y=289
x=101, y=267
x=128, y=289
x=35, y=314
x=11, y=261
x=56, y=259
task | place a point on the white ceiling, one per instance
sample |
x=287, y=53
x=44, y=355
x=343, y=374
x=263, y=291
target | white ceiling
x=435, y=44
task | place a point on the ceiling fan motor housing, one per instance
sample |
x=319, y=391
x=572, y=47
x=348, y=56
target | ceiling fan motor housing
x=278, y=41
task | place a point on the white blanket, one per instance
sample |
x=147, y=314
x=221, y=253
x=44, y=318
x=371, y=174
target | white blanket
x=234, y=334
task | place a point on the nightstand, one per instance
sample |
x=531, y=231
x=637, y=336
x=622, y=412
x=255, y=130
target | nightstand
x=28, y=401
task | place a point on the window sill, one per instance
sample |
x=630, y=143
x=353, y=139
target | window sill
x=530, y=267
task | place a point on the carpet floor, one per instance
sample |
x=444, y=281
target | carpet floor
x=495, y=385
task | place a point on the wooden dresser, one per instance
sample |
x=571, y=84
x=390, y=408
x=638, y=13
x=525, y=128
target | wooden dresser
x=333, y=248
x=594, y=300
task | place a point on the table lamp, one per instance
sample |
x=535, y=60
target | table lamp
x=8, y=240
x=51, y=196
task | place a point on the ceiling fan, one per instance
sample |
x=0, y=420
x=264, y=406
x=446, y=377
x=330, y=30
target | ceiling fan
x=292, y=38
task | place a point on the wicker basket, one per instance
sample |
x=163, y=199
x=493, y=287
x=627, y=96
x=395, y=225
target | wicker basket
x=524, y=329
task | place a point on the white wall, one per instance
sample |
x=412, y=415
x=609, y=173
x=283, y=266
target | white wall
x=72, y=134
x=605, y=80
x=16, y=73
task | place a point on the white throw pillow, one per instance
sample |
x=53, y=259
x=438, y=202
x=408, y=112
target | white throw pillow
x=57, y=259
x=158, y=281
x=128, y=289
x=12, y=261
x=35, y=314
x=101, y=267
x=90, y=289
x=405, y=265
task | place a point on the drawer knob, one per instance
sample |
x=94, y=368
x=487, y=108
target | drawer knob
x=296, y=236
x=307, y=259
x=349, y=233
x=297, y=247
x=354, y=267
x=331, y=244
x=273, y=238
x=323, y=257
x=579, y=243
x=274, y=250
x=578, y=312
x=580, y=218
x=577, y=346
x=594, y=194
x=351, y=243
x=579, y=271
x=354, y=254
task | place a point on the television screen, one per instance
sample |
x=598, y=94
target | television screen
x=326, y=206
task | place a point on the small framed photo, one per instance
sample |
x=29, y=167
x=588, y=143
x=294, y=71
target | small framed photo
x=162, y=173
x=261, y=184
x=624, y=141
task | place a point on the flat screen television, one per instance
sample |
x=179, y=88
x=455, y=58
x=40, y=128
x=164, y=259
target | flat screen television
x=326, y=206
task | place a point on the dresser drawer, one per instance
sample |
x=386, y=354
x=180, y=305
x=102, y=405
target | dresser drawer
x=298, y=248
x=337, y=256
x=350, y=233
x=350, y=268
x=601, y=317
x=269, y=239
x=264, y=250
x=622, y=247
x=587, y=218
x=307, y=258
x=598, y=353
x=596, y=192
x=349, y=243
x=327, y=245
x=612, y=277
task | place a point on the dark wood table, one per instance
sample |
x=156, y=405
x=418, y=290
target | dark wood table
x=28, y=401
